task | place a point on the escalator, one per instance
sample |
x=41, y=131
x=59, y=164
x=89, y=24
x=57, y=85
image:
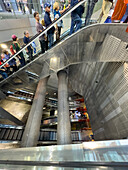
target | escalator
x=95, y=37
x=15, y=134
x=96, y=59
x=67, y=12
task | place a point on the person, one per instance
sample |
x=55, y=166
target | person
x=106, y=6
x=3, y=71
x=16, y=48
x=125, y=17
x=75, y=18
x=4, y=58
x=23, y=7
x=108, y=20
x=29, y=5
x=57, y=14
x=48, y=21
x=29, y=49
x=89, y=11
x=20, y=5
x=39, y=29
x=119, y=11
x=12, y=63
x=46, y=38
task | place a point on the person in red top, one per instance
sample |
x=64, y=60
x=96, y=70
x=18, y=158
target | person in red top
x=14, y=48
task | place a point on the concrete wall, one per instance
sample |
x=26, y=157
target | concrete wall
x=16, y=26
x=105, y=89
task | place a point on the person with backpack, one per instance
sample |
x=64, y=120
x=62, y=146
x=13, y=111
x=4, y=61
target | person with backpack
x=75, y=17
x=14, y=48
x=29, y=49
x=58, y=14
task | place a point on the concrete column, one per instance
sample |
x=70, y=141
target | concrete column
x=32, y=129
x=64, y=125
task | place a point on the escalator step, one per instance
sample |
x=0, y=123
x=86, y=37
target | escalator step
x=40, y=136
x=44, y=136
x=72, y=136
x=10, y=137
x=55, y=136
x=77, y=136
x=19, y=137
x=2, y=134
x=15, y=134
x=7, y=134
x=47, y=135
x=51, y=136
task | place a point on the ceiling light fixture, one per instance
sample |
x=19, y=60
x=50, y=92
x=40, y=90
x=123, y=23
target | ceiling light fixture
x=4, y=46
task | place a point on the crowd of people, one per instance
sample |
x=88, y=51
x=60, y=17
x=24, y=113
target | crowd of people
x=46, y=40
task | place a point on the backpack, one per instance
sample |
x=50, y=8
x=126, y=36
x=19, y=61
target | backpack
x=80, y=10
x=11, y=49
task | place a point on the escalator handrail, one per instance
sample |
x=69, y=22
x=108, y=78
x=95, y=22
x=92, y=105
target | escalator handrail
x=68, y=11
x=71, y=164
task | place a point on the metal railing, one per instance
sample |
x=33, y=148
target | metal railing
x=69, y=164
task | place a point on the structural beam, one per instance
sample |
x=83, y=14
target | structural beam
x=6, y=115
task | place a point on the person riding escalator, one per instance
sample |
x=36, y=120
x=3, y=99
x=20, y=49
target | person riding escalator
x=15, y=47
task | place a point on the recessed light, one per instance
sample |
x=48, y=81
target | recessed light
x=4, y=46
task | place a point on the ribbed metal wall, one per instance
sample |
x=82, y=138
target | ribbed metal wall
x=105, y=89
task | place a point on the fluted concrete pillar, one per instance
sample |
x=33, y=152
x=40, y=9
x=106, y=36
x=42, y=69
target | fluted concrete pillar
x=64, y=125
x=32, y=129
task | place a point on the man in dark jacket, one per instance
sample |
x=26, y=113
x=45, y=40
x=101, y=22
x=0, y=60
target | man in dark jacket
x=48, y=21
x=29, y=49
x=75, y=17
